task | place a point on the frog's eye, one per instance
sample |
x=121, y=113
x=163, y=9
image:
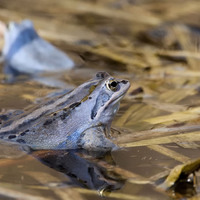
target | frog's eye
x=112, y=85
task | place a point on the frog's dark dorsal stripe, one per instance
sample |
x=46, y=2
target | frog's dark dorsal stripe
x=76, y=104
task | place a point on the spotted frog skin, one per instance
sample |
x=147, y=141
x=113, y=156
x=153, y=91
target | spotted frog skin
x=78, y=119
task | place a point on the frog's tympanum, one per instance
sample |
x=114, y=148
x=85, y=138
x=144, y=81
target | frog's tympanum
x=78, y=119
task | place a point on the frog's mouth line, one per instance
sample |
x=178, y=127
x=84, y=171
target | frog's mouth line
x=114, y=101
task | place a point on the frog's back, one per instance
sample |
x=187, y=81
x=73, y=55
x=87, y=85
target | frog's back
x=50, y=107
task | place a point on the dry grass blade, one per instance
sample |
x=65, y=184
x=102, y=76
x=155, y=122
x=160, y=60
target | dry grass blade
x=187, y=137
x=196, y=197
x=184, y=38
x=81, y=6
x=159, y=176
x=124, y=118
x=5, y=190
x=117, y=56
x=64, y=193
x=166, y=106
x=184, y=53
x=174, y=9
x=155, y=133
x=170, y=153
x=68, y=194
x=176, y=95
x=187, y=115
x=184, y=169
x=148, y=108
x=125, y=174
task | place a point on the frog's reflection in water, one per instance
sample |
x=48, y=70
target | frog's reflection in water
x=85, y=169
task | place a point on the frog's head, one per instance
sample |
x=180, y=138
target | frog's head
x=106, y=97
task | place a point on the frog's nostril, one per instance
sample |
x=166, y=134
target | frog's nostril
x=124, y=82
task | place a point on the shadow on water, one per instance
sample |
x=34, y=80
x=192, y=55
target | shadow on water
x=83, y=168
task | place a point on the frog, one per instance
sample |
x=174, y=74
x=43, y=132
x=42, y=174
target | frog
x=79, y=119
x=26, y=53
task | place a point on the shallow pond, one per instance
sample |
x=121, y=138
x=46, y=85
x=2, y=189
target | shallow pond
x=157, y=126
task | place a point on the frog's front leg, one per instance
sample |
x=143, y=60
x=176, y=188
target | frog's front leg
x=94, y=139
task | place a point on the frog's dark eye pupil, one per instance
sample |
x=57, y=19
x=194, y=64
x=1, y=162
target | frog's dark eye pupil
x=113, y=84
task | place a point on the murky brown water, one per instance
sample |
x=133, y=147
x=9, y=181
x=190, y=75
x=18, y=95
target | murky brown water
x=109, y=36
